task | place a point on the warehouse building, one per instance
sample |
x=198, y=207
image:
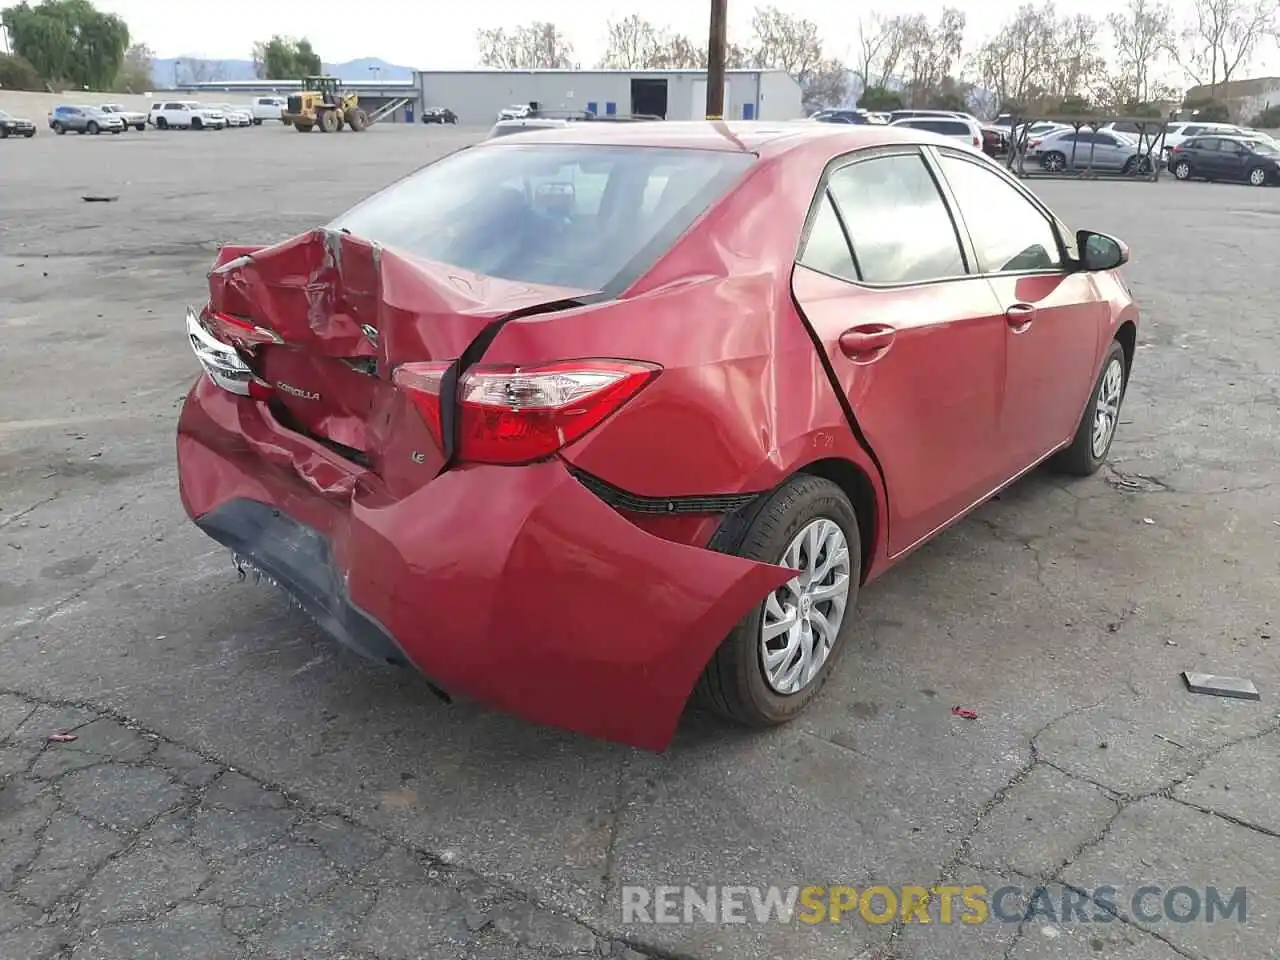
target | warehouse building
x=477, y=96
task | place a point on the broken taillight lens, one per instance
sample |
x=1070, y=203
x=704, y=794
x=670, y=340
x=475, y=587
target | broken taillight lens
x=221, y=360
x=513, y=415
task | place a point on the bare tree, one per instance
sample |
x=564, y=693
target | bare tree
x=930, y=51
x=537, y=45
x=199, y=70
x=634, y=44
x=826, y=84
x=784, y=42
x=1223, y=36
x=1038, y=57
x=879, y=49
x=1139, y=33
x=678, y=52
x=1075, y=62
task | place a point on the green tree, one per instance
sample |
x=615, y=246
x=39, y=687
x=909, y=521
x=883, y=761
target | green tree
x=880, y=98
x=17, y=74
x=1268, y=119
x=284, y=58
x=1208, y=110
x=68, y=41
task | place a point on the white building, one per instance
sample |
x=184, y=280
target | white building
x=476, y=96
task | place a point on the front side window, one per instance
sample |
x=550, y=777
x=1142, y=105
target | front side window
x=898, y=223
x=586, y=217
x=1009, y=232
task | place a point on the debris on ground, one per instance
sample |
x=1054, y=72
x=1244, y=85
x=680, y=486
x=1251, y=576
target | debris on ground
x=1159, y=736
x=91, y=198
x=1216, y=686
x=62, y=737
x=965, y=713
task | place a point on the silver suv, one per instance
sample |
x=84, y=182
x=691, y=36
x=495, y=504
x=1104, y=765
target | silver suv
x=83, y=119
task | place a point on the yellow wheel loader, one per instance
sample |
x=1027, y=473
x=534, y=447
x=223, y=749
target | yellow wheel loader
x=322, y=105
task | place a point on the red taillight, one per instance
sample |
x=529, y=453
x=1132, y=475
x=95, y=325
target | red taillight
x=1033, y=144
x=513, y=415
x=237, y=330
x=1177, y=149
x=977, y=141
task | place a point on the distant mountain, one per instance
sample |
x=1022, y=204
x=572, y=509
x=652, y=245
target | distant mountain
x=167, y=72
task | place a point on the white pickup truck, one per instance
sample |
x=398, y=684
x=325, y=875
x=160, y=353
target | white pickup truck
x=131, y=118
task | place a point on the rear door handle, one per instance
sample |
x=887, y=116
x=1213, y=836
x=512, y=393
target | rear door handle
x=1020, y=315
x=866, y=342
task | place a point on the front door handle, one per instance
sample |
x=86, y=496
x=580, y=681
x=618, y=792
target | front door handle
x=1020, y=315
x=866, y=342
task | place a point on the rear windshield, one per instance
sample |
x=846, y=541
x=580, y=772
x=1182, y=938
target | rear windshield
x=946, y=127
x=590, y=217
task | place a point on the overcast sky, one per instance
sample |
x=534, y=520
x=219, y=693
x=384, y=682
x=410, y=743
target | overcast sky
x=435, y=35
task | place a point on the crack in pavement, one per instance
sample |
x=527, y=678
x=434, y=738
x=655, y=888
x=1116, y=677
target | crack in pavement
x=248, y=867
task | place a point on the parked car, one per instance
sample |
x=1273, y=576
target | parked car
x=1240, y=159
x=897, y=115
x=268, y=108
x=1177, y=133
x=235, y=116
x=995, y=141
x=11, y=126
x=842, y=116
x=1086, y=149
x=187, y=115
x=83, y=119
x=439, y=115
x=514, y=112
x=130, y=118
x=954, y=127
x=507, y=463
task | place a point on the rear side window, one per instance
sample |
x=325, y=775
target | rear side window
x=827, y=248
x=898, y=223
x=581, y=216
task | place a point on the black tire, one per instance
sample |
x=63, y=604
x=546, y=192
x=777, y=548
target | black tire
x=1182, y=170
x=140, y=127
x=162, y=123
x=257, y=121
x=1081, y=459
x=733, y=684
x=29, y=134
x=58, y=128
x=197, y=123
x=1258, y=176
x=4, y=133
x=92, y=128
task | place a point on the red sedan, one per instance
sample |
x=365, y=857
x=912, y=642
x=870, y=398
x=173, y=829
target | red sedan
x=581, y=422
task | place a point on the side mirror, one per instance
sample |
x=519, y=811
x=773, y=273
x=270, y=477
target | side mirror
x=1099, y=251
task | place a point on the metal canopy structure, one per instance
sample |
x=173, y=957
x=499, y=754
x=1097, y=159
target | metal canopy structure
x=1145, y=165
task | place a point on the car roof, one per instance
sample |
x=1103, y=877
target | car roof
x=746, y=136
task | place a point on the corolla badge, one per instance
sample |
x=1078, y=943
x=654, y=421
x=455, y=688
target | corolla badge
x=297, y=391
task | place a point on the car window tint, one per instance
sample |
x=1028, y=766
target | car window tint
x=898, y=223
x=556, y=214
x=1009, y=233
x=1209, y=143
x=1125, y=127
x=827, y=248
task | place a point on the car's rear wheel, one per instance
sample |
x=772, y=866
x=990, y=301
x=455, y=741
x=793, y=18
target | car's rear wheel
x=1182, y=170
x=1097, y=427
x=197, y=123
x=1258, y=176
x=776, y=660
x=59, y=128
x=92, y=127
x=162, y=123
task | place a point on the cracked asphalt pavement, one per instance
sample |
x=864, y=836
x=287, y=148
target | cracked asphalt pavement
x=240, y=788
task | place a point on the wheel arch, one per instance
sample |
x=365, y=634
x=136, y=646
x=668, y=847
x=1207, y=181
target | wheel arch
x=1127, y=336
x=857, y=486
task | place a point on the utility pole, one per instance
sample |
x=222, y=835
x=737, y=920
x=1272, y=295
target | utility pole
x=716, y=43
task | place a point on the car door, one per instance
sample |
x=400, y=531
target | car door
x=1207, y=159
x=1234, y=158
x=916, y=344
x=1053, y=316
x=1110, y=152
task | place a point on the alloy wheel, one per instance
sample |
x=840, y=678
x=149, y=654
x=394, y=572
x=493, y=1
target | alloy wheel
x=1106, y=411
x=1258, y=177
x=1182, y=171
x=1054, y=162
x=802, y=618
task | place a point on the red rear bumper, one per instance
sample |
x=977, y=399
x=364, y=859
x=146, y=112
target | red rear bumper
x=513, y=586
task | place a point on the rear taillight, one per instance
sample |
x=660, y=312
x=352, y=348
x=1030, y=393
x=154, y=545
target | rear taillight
x=220, y=356
x=977, y=141
x=1033, y=144
x=1175, y=149
x=512, y=415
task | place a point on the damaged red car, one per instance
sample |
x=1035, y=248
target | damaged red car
x=583, y=422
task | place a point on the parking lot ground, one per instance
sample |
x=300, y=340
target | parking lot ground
x=239, y=787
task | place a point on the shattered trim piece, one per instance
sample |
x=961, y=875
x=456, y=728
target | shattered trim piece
x=1216, y=686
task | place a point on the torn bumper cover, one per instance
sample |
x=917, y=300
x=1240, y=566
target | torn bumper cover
x=513, y=586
